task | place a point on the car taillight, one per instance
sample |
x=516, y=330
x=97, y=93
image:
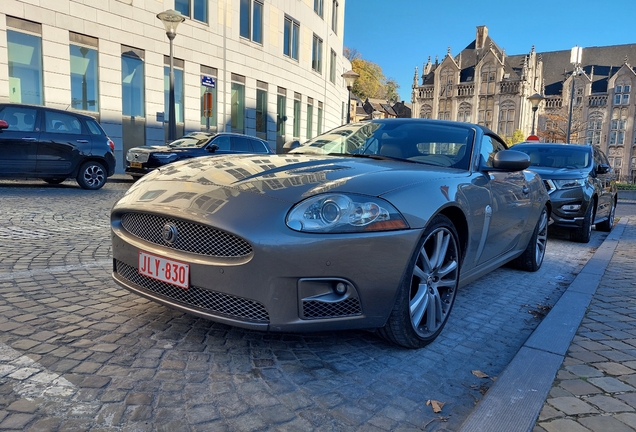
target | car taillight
x=111, y=144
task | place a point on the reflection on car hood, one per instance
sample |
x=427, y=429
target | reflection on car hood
x=284, y=177
x=559, y=173
x=161, y=149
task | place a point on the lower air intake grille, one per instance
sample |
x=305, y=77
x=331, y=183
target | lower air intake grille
x=314, y=309
x=204, y=300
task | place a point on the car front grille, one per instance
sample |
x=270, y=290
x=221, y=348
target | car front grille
x=141, y=157
x=191, y=237
x=315, y=309
x=210, y=302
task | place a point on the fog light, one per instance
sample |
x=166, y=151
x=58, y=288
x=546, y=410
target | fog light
x=341, y=288
x=571, y=207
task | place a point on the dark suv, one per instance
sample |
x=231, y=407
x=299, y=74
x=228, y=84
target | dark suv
x=53, y=145
x=581, y=184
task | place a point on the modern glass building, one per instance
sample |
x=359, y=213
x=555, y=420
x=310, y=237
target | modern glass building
x=262, y=61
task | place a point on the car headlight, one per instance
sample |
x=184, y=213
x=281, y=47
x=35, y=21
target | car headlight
x=341, y=213
x=569, y=183
x=166, y=157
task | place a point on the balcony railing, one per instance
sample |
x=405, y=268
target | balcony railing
x=465, y=89
x=600, y=100
x=553, y=102
x=509, y=87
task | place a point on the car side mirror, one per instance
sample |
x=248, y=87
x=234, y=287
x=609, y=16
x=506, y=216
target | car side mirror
x=602, y=169
x=510, y=160
x=213, y=148
x=3, y=125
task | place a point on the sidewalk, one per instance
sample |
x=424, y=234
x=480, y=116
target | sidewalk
x=577, y=371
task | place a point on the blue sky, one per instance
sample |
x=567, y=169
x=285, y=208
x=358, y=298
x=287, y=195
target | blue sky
x=399, y=35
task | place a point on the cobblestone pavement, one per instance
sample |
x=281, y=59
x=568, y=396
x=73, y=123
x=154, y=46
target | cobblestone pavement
x=79, y=353
x=595, y=389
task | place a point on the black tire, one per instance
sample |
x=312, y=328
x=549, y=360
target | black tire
x=608, y=224
x=429, y=286
x=92, y=175
x=136, y=177
x=532, y=257
x=583, y=233
x=54, y=181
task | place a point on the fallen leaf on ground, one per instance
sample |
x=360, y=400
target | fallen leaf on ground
x=479, y=374
x=437, y=406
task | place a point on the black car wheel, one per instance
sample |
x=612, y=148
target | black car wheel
x=427, y=293
x=584, y=232
x=608, y=224
x=54, y=181
x=92, y=175
x=532, y=258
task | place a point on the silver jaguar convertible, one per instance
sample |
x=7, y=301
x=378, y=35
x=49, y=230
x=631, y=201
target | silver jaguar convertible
x=371, y=225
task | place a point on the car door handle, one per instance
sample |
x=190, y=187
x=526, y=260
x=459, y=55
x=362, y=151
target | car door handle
x=82, y=141
x=29, y=139
x=525, y=190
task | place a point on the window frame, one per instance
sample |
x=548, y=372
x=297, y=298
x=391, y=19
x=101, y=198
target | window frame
x=291, y=37
x=316, y=54
x=192, y=9
x=247, y=28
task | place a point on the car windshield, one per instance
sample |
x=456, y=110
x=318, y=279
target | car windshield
x=415, y=141
x=557, y=157
x=191, y=140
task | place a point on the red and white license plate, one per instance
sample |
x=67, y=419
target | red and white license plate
x=164, y=269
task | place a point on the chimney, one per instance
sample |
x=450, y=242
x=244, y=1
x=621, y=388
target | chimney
x=482, y=34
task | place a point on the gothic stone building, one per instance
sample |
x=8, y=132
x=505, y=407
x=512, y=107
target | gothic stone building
x=482, y=84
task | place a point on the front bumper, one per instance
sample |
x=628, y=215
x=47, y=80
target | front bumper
x=285, y=283
x=562, y=200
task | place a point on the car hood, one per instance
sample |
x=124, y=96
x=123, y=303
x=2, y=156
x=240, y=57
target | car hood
x=288, y=178
x=559, y=173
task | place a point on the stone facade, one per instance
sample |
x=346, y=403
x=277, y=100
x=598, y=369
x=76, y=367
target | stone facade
x=482, y=84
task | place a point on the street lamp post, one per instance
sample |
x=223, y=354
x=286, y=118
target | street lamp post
x=171, y=19
x=535, y=100
x=350, y=78
x=575, y=59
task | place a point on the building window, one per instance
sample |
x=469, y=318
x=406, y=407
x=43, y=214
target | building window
x=291, y=33
x=463, y=114
x=178, y=89
x=132, y=83
x=252, y=20
x=446, y=83
x=426, y=112
x=237, y=113
x=618, y=126
x=310, y=117
x=484, y=114
x=296, y=115
x=210, y=74
x=444, y=109
x=281, y=111
x=25, y=64
x=332, y=67
x=84, y=78
x=318, y=7
x=594, y=126
x=488, y=76
x=621, y=94
x=334, y=16
x=507, y=119
x=319, y=125
x=261, y=110
x=316, y=54
x=195, y=9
